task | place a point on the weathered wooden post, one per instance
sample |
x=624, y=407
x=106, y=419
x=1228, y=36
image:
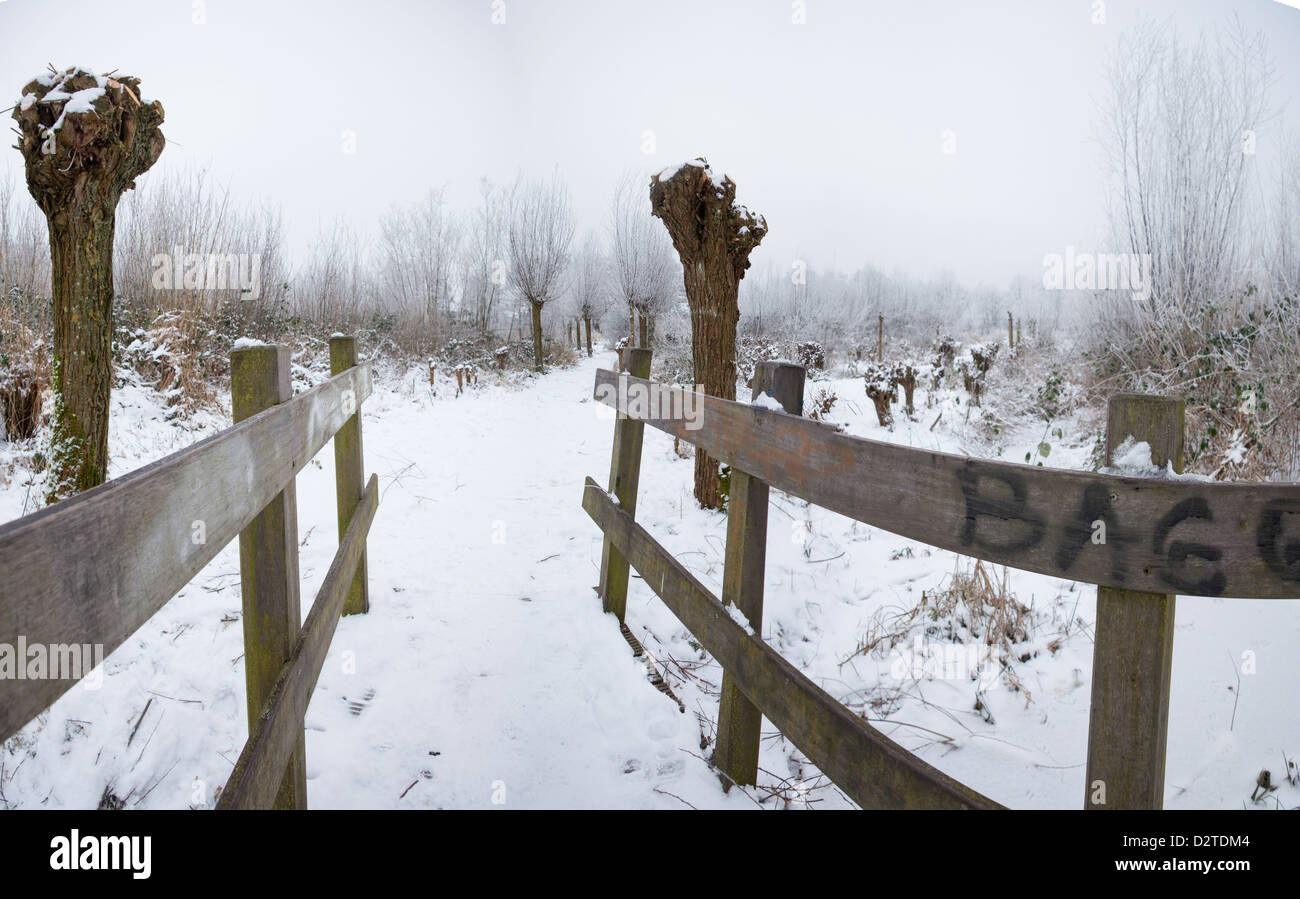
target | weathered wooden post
x=624, y=473
x=460, y=380
x=739, y=720
x=349, y=470
x=268, y=560
x=880, y=337
x=433, y=367
x=501, y=359
x=1133, y=645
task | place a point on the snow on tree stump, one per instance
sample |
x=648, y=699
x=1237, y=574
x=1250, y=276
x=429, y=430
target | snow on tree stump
x=881, y=390
x=84, y=138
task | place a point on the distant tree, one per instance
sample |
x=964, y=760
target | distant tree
x=641, y=258
x=713, y=235
x=590, y=284
x=1177, y=132
x=483, y=262
x=538, y=241
x=85, y=138
x=419, y=247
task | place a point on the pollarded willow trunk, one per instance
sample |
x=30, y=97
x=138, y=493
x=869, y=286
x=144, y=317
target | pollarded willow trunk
x=85, y=138
x=537, y=335
x=586, y=320
x=713, y=236
x=81, y=251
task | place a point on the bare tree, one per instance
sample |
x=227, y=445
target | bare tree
x=642, y=257
x=85, y=138
x=419, y=246
x=483, y=269
x=590, y=284
x=540, y=234
x=1177, y=128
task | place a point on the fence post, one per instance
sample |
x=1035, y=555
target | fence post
x=349, y=471
x=268, y=560
x=1133, y=646
x=624, y=473
x=739, y=720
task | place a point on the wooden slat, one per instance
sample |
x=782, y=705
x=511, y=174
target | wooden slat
x=870, y=768
x=94, y=568
x=1162, y=536
x=624, y=476
x=744, y=572
x=1133, y=644
x=271, y=742
x=349, y=472
x=261, y=378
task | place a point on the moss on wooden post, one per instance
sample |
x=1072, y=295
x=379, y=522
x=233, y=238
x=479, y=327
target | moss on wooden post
x=739, y=720
x=268, y=561
x=1133, y=645
x=350, y=485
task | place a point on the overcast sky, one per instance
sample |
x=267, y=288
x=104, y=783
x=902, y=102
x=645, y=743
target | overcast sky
x=833, y=129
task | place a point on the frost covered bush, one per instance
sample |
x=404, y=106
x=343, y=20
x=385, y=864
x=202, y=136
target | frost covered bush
x=811, y=354
x=750, y=352
x=24, y=377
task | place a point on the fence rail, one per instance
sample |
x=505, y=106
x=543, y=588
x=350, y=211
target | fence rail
x=1142, y=540
x=93, y=569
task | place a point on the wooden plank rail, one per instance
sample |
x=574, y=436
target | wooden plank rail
x=1162, y=536
x=91, y=570
x=271, y=742
x=94, y=568
x=1141, y=540
x=871, y=769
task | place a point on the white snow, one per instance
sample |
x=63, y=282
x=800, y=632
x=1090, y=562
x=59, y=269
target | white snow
x=734, y=613
x=486, y=661
x=767, y=401
x=1132, y=458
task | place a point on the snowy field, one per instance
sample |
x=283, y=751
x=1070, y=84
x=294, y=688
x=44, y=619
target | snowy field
x=485, y=674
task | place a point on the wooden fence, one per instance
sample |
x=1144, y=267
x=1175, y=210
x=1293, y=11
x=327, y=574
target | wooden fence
x=93, y=569
x=1141, y=540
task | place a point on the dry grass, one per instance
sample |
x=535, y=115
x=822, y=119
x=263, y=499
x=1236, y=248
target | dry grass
x=25, y=375
x=972, y=605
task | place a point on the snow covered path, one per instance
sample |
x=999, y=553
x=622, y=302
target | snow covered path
x=485, y=642
x=486, y=676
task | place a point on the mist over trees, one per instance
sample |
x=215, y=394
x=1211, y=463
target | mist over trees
x=1176, y=124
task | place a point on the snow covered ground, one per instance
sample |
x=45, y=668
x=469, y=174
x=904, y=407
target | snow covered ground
x=485, y=674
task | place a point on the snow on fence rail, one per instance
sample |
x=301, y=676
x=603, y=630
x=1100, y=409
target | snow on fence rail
x=93, y=569
x=1141, y=540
